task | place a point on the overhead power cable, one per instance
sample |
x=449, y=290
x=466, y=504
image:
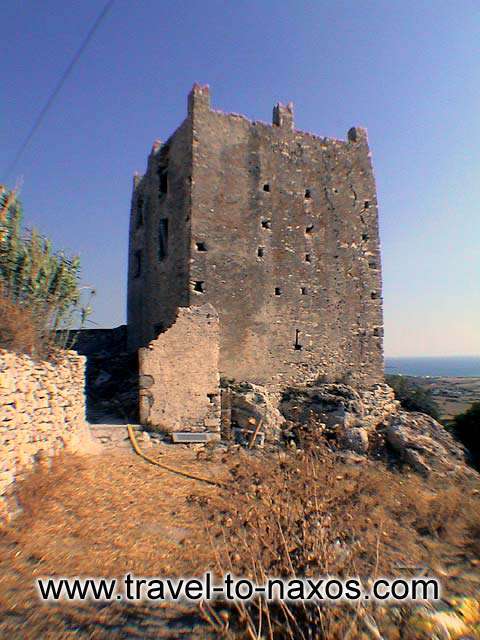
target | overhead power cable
x=38, y=121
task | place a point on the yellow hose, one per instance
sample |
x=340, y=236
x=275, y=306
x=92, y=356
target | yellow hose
x=137, y=449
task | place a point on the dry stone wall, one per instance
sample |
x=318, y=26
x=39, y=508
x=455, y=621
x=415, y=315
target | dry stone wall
x=42, y=411
x=179, y=378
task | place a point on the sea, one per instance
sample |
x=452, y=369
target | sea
x=454, y=366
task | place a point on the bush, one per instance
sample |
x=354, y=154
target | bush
x=39, y=288
x=313, y=514
x=466, y=428
x=412, y=396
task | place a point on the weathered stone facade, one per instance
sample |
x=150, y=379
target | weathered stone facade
x=278, y=230
x=42, y=411
x=179, y=379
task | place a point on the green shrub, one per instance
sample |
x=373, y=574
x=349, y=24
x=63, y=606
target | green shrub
x=34, y=278
x=412, y=396
x=466, y=428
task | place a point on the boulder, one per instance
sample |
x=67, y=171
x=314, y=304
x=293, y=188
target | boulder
x=250, y=404
x=424, y=444
x=354, y=439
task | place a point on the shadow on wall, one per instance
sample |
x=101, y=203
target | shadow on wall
x=111, y=385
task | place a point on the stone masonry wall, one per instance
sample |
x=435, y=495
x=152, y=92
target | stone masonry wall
x=277, y=229
x=179, y=379
x=287, y=225
x=158, y=276
x=42, y=410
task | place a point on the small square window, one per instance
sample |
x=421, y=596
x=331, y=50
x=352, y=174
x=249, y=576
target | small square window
x=309, y=229
x=266, y=224
x=308, y=257
x=266, y=187
x=199, y=286
x=278, y=291
x=366, y=204
x=260, y=252
x=304, y=291
x=308, y=194
x=201, y=246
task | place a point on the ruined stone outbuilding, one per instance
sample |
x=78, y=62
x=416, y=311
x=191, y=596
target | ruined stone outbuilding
x=179, y=380
x=277, y=230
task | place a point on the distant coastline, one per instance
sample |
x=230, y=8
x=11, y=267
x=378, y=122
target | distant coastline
x=454, y=366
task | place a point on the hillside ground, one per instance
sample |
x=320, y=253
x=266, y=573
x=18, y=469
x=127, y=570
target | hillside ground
x=453, y=395
x=111, y=514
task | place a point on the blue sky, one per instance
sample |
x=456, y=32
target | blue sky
x=407, y=70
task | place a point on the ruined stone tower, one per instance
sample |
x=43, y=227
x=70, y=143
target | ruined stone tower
x=277, y=229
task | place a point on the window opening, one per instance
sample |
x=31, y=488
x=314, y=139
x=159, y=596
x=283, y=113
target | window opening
x=162, y=239
x=137, y=263
x=297, y=346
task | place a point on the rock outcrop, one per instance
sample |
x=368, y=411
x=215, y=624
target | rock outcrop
x=366, y=421
x=341, y=412
x=252, y=405
x=424, y=444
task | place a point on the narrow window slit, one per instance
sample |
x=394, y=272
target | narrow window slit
x=163, y=180
x=260, y=252
x=304, y=291
x=308, y=257
x=366, y=204
x=297, y=346
x=162, y=239
x=308, y=194
x=139, y=216
x=137, y=264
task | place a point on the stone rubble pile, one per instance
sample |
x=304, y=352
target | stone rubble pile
x=357, y=420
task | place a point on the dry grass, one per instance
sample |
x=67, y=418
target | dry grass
x=23, y=330
x=306, y=515
x=282, y=514
x=18, y=329
x=103, y=516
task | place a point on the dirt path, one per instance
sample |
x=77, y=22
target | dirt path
x=105, y=516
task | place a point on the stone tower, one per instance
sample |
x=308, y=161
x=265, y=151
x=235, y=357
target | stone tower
x=277, y=229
